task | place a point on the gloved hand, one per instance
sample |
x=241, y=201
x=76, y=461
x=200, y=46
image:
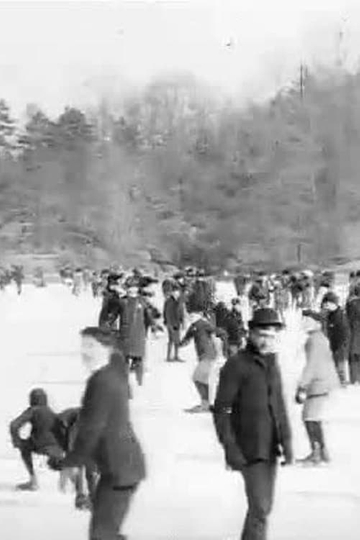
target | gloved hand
x=300, y=396
x=234, y=459
x=55, y=463
x=288, y=458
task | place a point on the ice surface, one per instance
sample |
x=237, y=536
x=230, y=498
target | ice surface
x=188, y=494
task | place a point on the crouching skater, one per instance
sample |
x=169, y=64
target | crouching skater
x=42, y=439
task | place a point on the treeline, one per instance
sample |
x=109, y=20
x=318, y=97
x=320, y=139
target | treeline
x=182, y=175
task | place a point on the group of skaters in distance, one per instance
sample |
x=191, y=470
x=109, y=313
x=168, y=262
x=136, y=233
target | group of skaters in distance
x=237, y=378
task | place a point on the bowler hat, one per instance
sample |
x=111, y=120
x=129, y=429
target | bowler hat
x=114, y=278
x=265, y=317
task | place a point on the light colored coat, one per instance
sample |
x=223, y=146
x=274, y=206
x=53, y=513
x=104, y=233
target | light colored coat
x=319, y=376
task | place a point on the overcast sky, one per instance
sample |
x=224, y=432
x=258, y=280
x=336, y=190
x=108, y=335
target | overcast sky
x=53, y=53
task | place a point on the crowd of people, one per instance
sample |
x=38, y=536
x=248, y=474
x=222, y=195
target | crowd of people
x=237, y=378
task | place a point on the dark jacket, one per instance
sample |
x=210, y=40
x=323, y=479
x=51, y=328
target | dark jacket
x=111, y=310
x=43, y=427
x=201, y=332
x=136, y=317
x=234, y=327
x=67, y=427
x=221, y=313
x=353, y=315
x=105, y=435
x=337, y=330
x=173, y=312
x=249, y=411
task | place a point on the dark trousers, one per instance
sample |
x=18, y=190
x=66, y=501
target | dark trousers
x=173, y=341
x=110, y=507
x=340, y=364
x=259, y=481
x=136, y=364
x=354, y=368
x=28, y=449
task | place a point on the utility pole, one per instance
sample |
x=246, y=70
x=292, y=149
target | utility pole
x=302, y=81
x=301, y=90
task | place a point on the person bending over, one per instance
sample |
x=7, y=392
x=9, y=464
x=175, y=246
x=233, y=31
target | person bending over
x=42, y=439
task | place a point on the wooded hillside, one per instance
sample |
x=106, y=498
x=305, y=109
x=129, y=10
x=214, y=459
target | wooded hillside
x=182, y=175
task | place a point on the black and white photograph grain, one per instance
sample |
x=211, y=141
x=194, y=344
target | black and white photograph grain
x=180, y=270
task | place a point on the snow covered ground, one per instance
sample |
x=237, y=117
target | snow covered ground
x=188, y=494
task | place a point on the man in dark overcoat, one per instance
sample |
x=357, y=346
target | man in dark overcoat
x=337, y=331
x=105, y=437
x=173, y=315
x=251, y=419
x=136, y=318
x=112, y=305
x=353, y=315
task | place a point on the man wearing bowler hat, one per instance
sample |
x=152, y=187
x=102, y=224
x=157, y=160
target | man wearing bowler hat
x=251, y=420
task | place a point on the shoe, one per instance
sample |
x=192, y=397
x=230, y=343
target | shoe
x=198, y=409
x=179, y=360
x=32, y=485
x=325, y=456
x=312, y=459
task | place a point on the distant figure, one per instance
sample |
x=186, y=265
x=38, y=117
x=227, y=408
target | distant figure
x=234, y=326
x=18, y=277
x=353, y=315
x=112, y=305
x=78, y=282
x=174, y=322
x=136, y=318
x=337, y=331
x=39, y=279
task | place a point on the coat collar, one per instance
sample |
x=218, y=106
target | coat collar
x=261, y=359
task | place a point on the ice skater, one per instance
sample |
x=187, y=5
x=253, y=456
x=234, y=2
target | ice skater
x=202, y=331
x=319, y=378
x=251, y=419
x=42, y=440
x=105, y=435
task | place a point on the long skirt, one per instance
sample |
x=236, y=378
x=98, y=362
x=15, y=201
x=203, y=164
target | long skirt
x=315, y=408
x=203, y=370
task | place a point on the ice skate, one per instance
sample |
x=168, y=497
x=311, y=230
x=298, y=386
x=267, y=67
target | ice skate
x=312, y=460
x=325, y=456
x=202, y=408
x=31, y=485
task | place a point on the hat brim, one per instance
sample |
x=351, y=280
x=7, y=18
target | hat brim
x=277, y=324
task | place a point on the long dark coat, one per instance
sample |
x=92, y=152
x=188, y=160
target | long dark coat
x=337, y=330
x=105, y=436
x=111, y=310
x=353, y=315
x=136, y=317
x=249, y=409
